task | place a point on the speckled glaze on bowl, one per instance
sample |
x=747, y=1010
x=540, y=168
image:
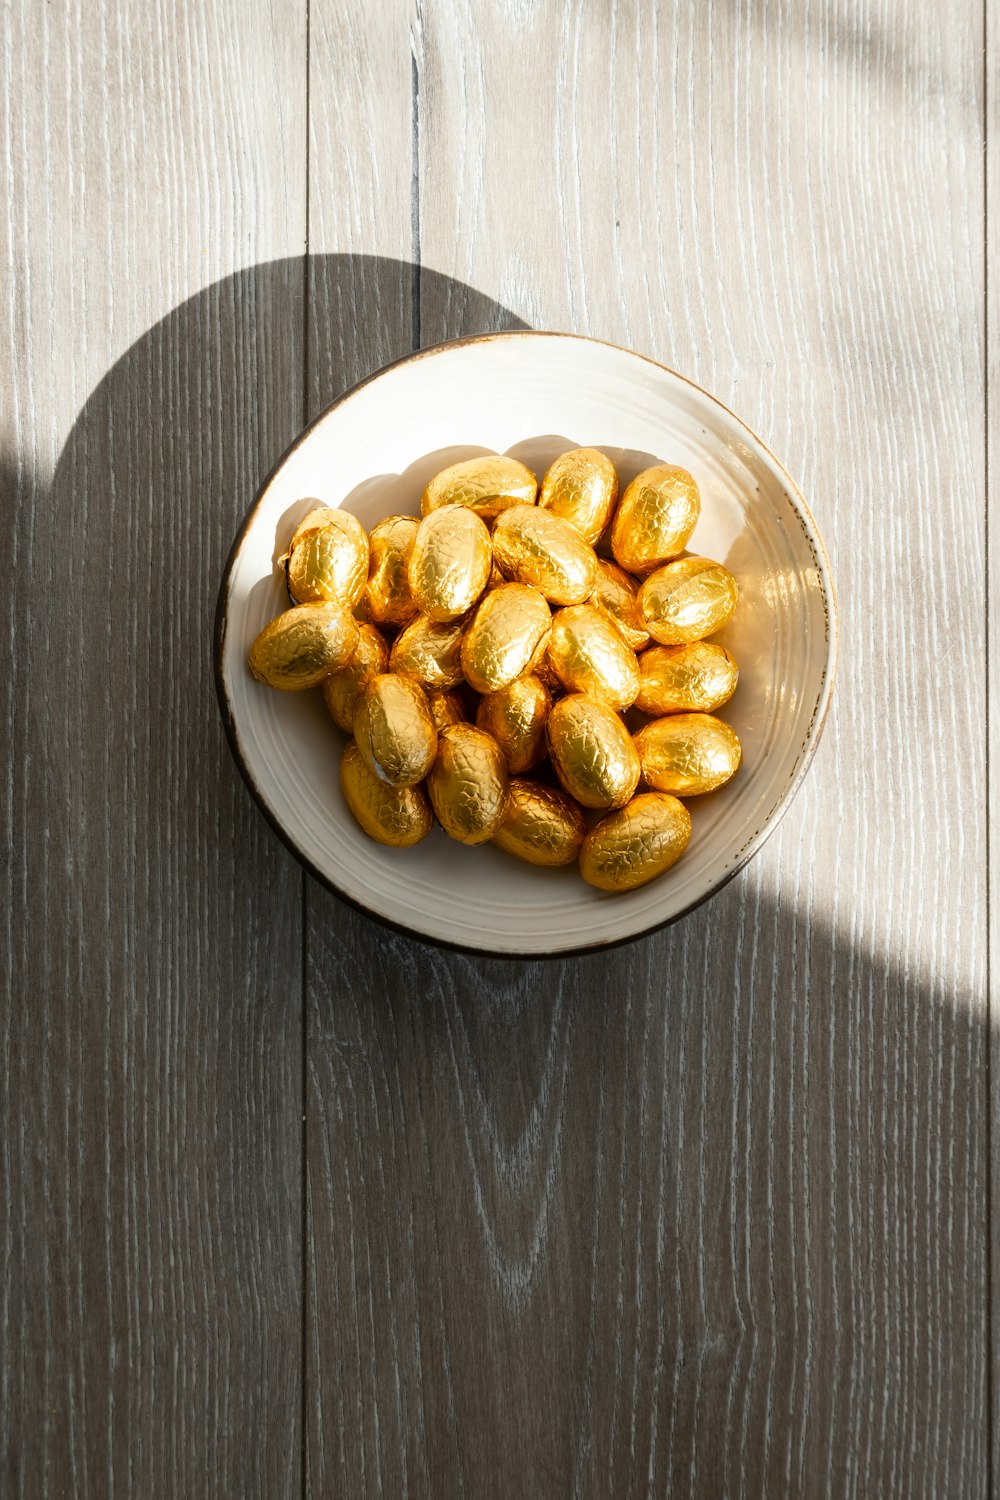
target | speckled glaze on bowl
x=533, y=395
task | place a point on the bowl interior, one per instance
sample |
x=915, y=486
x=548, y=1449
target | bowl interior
x=534, y=396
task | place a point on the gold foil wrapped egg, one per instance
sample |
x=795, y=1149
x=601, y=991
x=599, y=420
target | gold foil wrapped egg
x=630, y=847
x=655, y=518
x=696, y=678
x=687, y=600
x=394, y=729
x=450, y=562
x=536, y=547
x=592, y=752
x=541, y=825
x=298, y=648
x=340, y=690
x=328, y=558
x=688, y=754
x=515, y=717
x=430, y=651
x=446, y=707
x=396, y=815
x=506, y=638
x=387, y=598
x=486, y=485
x=468, y=784
x=581, y=487
x=589, y=655
x=616, y=595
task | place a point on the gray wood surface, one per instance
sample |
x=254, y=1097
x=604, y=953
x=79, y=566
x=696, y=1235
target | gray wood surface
x=706, y=1216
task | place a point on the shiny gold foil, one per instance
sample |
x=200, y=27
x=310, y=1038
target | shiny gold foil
x=328, y=558
x=630, y=847
x=581, y=487
x=394, y=729
x=486, y=485
x=468, y=784
x=687, y=600
x=396, y=815
x=340, y=690
x=387, y=598
x=541, y=825
x=430, y=651
x=446, y=708
x=655, y=518
x=592, y=752
x=616, y=594
x=589, y=655
x=506, y=638
x=696, y=678
x=450, y=562
x=298, y=648
x=688, y=754
x=515, y=717
x=536, y=547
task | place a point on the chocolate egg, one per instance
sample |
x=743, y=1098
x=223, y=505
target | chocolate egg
x=430, y=651
x=446, y=707
x=486, y=485
x=450, y=562
x=508, y=634
x=340, y=690
x=542, y=826
x=592, y=752
x=630, y=847
x=387, y=598
x=468, y=784
x=394, y=729
x=655, y=518
x=696, y=678
x=536, y=547
x=328, y=558
x=298, y=648
x=581, y=487
x=589, y=655
x=688, y=754
x=396, y=815
x=515, y=717
x=616, y=594
x=687, y=600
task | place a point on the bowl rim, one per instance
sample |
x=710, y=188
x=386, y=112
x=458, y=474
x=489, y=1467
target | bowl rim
x=753, y=845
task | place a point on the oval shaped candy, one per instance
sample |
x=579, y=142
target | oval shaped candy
x=446, y=708
x=581, y=487
x=688, y=754
x=450, y=562
x=328, y=558
x=592, y=752
x=655, y=518
x=298, y=648
x=633, y=846
x=340, y=690
x=696, y=678
x=430, y=651
x=616, y=594
x=515, y=717
x=542, y=825
x=387, y=597
x=589, y=655
x=394, y=729
x=506, y=638
x=396, y=815
x=486, y=485
x=468, y=784
x=533, y=546
x=687, y=600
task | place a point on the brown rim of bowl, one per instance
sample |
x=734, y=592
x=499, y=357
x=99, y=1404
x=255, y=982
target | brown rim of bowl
x=756, y=840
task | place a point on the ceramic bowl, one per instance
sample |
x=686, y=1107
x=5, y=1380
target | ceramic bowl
x=533, y=395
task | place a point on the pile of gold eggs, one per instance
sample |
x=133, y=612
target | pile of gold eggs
x=483, y=656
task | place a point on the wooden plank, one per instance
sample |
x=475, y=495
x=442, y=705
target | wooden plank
x=150, y=1063
x=991, y=58
x=703, y=1216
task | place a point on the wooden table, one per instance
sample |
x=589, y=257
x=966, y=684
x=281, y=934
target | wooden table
x=292, y=1205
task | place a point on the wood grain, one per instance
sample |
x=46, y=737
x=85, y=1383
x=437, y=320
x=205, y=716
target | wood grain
x=150, y=930
x=705, y=1217
x=991, y=39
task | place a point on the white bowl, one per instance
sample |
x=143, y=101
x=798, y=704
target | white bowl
x=533, y=395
